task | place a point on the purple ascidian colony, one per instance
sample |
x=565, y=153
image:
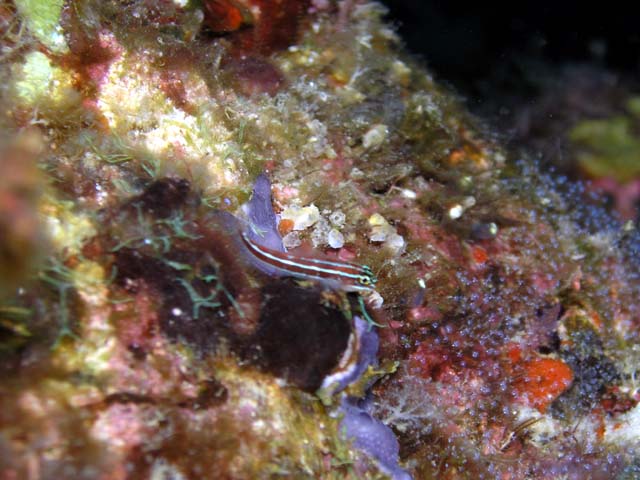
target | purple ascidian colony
x=243, y=239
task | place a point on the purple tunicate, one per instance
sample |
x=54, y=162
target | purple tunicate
x=372, y=437
x=263, y=224
x=368, y=346
x=367, y=341
x=368, y=434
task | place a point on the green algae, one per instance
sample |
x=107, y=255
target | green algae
x=353, y=109
x=47, y=89
x=15, y=329
x=35, y=78
x=633, y=106
x=60, y=278
x=608, y=148
x=43, y=19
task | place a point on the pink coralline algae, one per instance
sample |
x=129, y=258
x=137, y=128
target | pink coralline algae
x=158, y=317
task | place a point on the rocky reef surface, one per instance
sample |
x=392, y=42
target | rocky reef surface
x=137, y=341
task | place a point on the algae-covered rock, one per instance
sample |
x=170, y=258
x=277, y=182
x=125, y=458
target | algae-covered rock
x=143, y=331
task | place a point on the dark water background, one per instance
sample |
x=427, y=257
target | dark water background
x=501, y=55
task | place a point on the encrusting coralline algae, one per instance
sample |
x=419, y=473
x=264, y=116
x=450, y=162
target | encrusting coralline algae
x=137, y=338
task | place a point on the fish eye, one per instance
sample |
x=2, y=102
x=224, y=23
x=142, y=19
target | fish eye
x=364, y=280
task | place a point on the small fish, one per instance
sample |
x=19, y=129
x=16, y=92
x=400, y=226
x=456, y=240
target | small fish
x=346, y=276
